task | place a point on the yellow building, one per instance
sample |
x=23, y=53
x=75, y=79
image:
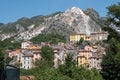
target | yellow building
x=77, y=37
x=92, y=37
x=83, y=56
x=82, y=60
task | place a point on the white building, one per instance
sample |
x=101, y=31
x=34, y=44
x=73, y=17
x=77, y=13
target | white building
x=27, y=62
x=25, y=45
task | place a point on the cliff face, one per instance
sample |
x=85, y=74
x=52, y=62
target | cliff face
x=73, y=20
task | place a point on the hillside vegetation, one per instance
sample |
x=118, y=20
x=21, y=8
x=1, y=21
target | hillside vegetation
x=52, y=38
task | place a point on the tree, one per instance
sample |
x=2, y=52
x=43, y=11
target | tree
x=47, y=54
x=80, y=41
x=52, y=38
x=69, y=62
x=1, y=62
x=110, y=63
x=1, y=59
x=42, y=64
x=114, y=14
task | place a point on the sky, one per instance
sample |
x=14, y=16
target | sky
x=12, y=10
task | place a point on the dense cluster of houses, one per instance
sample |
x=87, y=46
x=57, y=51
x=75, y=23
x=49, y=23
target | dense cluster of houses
x=90, y=55
x=26, y=56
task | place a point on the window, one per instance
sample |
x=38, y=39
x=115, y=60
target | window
x=80, y=61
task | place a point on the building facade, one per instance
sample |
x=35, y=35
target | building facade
x=27, y=62
x=92, y=37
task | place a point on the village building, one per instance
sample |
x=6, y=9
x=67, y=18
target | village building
x=92, y=37
x=89, y=55
x=83, y=56
x=82, y=60
x=25, y=44
x=13, y=53
x=27, y=61
x=56, y=58
x=95, y=62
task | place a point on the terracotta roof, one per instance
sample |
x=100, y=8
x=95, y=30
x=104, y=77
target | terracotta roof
x=81, y=56
x=79, y=34
x=92, y=57
x=92, y=33
x=32, y=47
x=99, y=33
x=17, y=51
x=36, y=52
x=101, y=50
x=7, y=51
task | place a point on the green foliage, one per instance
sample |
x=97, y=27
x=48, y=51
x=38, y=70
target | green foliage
x=50, y=74
x=42, y=64
x=67, y=71
x=78, y=73
x=112, y=33
x=69, y=62
x=27, y=72
x=114, y=14
x=37, y=20
x=10, y=29
x=47, y=53
x=7, y=44
x=1, y=59
x=52, y=38
x=23, y=22
x=8, y=59
x=80, y=41
x=110, y=63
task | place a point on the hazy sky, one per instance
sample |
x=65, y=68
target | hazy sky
x=11, y=10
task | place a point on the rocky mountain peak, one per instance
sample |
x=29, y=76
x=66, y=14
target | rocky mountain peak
x=92, y=13
x=72, y=21
x=81, y=22
x=74, y=10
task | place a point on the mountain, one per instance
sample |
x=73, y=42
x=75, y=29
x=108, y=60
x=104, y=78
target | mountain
x=72, y=21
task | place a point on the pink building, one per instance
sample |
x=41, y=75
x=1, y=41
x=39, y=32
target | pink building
x=36, y=56
x=86, y=53
x=56, y=58
x=95, y=62
x=13, y=53
x=92, y=48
